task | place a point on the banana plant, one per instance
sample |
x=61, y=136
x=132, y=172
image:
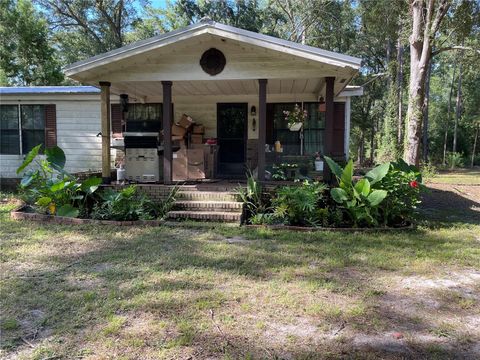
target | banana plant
x=359, y=198
x=50, y=187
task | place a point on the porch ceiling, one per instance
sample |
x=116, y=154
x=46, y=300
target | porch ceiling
x=151, y=90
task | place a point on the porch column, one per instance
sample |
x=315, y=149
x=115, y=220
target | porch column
x=105, y=118
x=262, y=126
x=167, y=131
x=329, y=119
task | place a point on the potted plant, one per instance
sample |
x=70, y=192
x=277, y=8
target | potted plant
x=295, y=118
x=318, y=161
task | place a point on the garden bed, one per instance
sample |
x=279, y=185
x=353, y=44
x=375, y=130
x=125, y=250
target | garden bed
x=24, y=212
x=336, y=229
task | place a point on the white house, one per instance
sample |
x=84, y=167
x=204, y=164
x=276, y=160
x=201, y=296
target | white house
x=233, y=82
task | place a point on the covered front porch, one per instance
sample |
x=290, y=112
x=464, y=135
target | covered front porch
x=234, y=85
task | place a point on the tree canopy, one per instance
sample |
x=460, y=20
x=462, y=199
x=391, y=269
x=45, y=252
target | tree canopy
x=420, y=58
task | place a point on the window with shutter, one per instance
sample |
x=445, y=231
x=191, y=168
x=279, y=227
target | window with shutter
x=50, y=125
x=116, y=118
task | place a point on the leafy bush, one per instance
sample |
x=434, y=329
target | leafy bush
x=125, y=205
x=284, y=171
x=299, y=205
x=454, y=160
x=429, y=171
x=53, y=190
x=360, y=200
x=403, y=183
x=254, y=199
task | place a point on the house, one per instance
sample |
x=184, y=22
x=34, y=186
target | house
x=234, y=84
x=67, y=116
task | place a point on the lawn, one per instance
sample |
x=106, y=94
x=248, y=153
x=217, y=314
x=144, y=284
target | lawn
x=458, y=177
x=197, y=291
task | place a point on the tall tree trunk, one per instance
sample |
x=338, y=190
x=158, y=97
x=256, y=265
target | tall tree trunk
x=449, y=111
x=474, y=146
x=458, y=107
x=400, y=91
x=372, y=144
x=425, y=25
x=361, y=149
x=425, y=114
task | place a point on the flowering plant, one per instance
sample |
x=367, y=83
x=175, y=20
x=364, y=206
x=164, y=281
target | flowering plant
x=297, y=115
x=317, y=156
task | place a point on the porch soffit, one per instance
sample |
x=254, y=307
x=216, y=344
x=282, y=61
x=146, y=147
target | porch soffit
x=150, y=90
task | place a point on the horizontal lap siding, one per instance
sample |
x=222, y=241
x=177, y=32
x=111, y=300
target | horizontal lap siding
x=78, y=123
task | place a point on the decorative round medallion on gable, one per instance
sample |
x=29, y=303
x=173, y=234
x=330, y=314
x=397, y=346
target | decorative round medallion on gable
x=213, y=61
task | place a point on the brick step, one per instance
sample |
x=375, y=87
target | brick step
x=205, y=215
x=225, y=206
x=206, y=196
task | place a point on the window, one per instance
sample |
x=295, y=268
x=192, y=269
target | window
x=313, y=131
x=22, y=127
x=9, y=130
x=33, y=126
x=144, y=117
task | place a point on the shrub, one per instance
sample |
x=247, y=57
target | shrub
x=254, y=199
x=454, y=160
x=359, y=199
x=50, y=188
x=300, y=205
x=429, y=171
x=403, y=183
x=125, y=205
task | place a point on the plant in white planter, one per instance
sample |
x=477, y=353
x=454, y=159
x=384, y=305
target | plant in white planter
x=295, y=118
x=318, y=161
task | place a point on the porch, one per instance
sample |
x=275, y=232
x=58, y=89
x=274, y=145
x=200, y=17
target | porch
x=234, y=84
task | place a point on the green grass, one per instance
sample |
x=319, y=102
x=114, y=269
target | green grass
x=184, y=291
x=458, y=177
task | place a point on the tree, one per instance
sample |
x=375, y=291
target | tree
x=85, y=28
x=26, y=54
x=429, y=39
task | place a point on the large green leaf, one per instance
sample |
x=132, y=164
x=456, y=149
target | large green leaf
x=28, y=178
x=56, y=157
x=67, y=211
x=376, y=197
x=29, y=158
x=44, y=201
x=363, y=187
x=58, y=186
x=336, y=169
x=378, y=173
x=347, y=174
x=339, y=195
x=91, y=184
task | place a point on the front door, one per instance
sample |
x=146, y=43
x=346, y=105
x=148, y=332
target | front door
x=231, y=133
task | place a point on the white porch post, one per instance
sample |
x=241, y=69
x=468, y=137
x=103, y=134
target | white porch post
x=262, y=126
x=105, y=117
x=167, y=131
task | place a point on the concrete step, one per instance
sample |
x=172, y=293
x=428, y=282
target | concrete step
x=222, y=206
x=205, y=215
x=206, y=196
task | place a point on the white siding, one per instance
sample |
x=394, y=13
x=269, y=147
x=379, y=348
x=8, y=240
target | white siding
x=78, y=123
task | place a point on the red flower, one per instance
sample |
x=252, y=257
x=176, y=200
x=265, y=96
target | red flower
x=413, y=184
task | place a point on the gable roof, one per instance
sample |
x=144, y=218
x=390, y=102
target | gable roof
x=214, y=28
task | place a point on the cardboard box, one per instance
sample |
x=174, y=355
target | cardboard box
x=196, y=168
x=185, y=121
x=198, y=129
x=178, y=130
x=197, y=139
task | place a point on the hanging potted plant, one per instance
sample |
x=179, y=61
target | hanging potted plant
x=295, y=118
x=318, y=161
